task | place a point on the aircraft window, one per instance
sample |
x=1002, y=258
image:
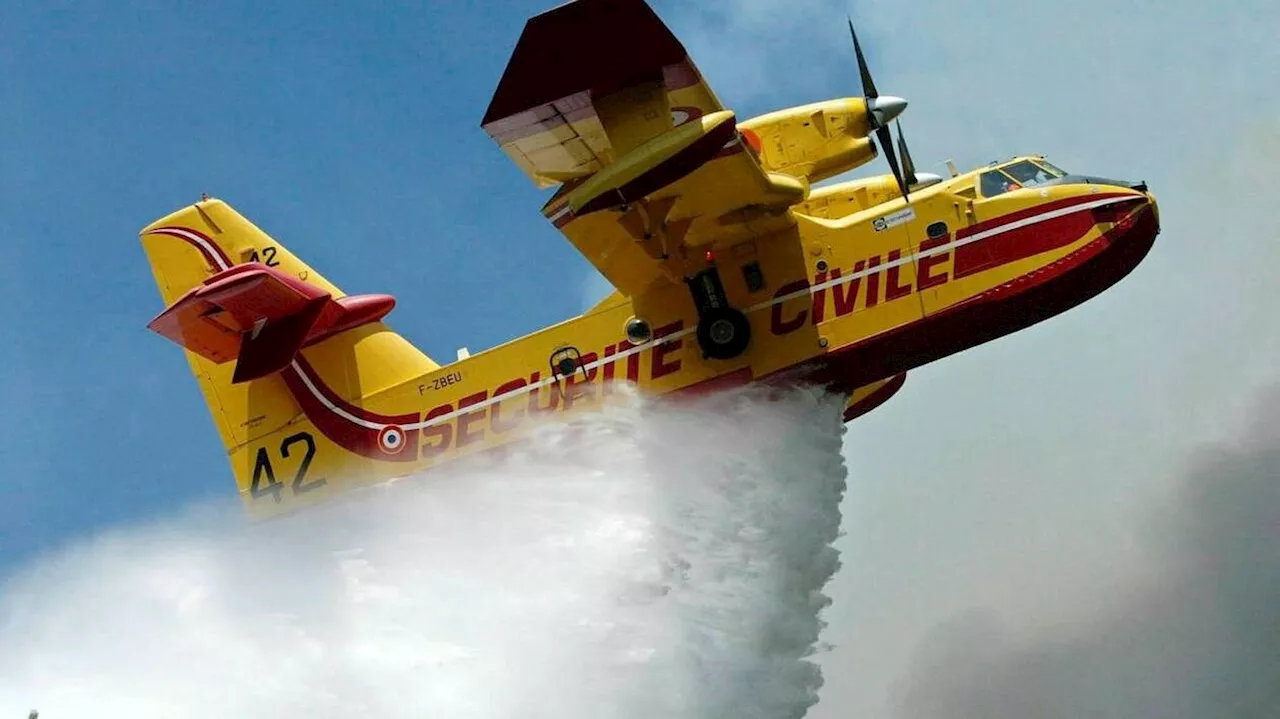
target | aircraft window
x=967, y=192
x=1055, y=171
x=1027, y=173
x=995, y=182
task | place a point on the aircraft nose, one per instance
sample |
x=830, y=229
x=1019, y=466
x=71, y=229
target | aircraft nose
x=1127, y=216
x=1142, y=189
x=884, y=109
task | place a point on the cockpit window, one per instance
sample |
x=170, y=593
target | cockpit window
x=1028, y=173
x=995, y=182
x=1017, y=175
x=1053, y=170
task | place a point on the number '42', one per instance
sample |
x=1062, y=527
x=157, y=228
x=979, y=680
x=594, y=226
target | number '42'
x=264, y=477
x=268, y=257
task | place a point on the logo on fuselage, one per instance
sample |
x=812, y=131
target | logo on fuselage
x=894, y=219
x=476, y=417
x=870, y=282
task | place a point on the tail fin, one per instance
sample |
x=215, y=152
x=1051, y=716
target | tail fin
x=259, y=419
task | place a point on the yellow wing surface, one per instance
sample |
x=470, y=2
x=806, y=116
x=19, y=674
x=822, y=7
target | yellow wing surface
x=600, y=98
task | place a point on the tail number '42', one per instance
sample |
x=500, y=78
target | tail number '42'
x=301, y=442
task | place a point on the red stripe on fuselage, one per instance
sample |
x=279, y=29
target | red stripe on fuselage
x=340, y=430
x=1012, y=306
x=1017, y=243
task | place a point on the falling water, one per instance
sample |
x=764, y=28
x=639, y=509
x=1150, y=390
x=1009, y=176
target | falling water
x=649, y=560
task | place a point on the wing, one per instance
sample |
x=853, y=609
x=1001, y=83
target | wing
x=601, y=98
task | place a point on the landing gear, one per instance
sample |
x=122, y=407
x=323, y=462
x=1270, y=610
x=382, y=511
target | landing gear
x=723, y=332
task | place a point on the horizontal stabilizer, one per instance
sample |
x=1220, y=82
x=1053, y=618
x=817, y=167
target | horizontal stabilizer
x=261, y=317
x=271, y=348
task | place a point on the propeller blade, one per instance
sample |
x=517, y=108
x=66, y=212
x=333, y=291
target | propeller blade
x=886, y=143
x=880, y=113
x=868, y=85
x=908, y=165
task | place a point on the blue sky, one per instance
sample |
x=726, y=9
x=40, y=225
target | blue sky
x=1008, y=476
x=350, y=136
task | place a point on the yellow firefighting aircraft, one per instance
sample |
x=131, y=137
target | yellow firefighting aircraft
x=729, y=267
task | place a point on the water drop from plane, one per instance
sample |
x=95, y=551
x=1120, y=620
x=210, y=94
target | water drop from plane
x=649, y=560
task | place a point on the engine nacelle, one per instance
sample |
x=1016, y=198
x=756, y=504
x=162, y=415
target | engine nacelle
x=815, y=141
x=845, y=198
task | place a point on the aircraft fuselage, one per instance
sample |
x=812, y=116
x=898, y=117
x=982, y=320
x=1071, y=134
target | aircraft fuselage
x=847, y=302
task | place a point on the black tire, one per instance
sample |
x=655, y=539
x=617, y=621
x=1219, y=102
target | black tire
x=723, y=333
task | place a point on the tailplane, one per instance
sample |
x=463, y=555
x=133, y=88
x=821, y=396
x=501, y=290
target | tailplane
x=244, y=309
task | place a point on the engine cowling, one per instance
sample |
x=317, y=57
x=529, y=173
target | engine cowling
x=814, y=141
x=845, y=198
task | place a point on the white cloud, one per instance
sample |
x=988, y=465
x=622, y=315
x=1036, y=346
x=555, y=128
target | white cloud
x=1015, y=476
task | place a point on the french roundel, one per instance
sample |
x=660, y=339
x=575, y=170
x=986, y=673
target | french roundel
x=391, y=439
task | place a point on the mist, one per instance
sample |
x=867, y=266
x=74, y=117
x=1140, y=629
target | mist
x=651, y=560
x=1196, y=633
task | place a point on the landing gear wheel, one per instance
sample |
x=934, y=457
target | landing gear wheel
x=723, y=333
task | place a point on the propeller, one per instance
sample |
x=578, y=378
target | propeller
x=908, y=166
x=880, y=111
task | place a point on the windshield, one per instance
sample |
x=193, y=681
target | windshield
x=1016, y=176
x=1028, y=173
x=995, y=182
x=1056, y=172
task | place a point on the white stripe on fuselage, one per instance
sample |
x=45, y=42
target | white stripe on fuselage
x=526, y=389
x=943, y=249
